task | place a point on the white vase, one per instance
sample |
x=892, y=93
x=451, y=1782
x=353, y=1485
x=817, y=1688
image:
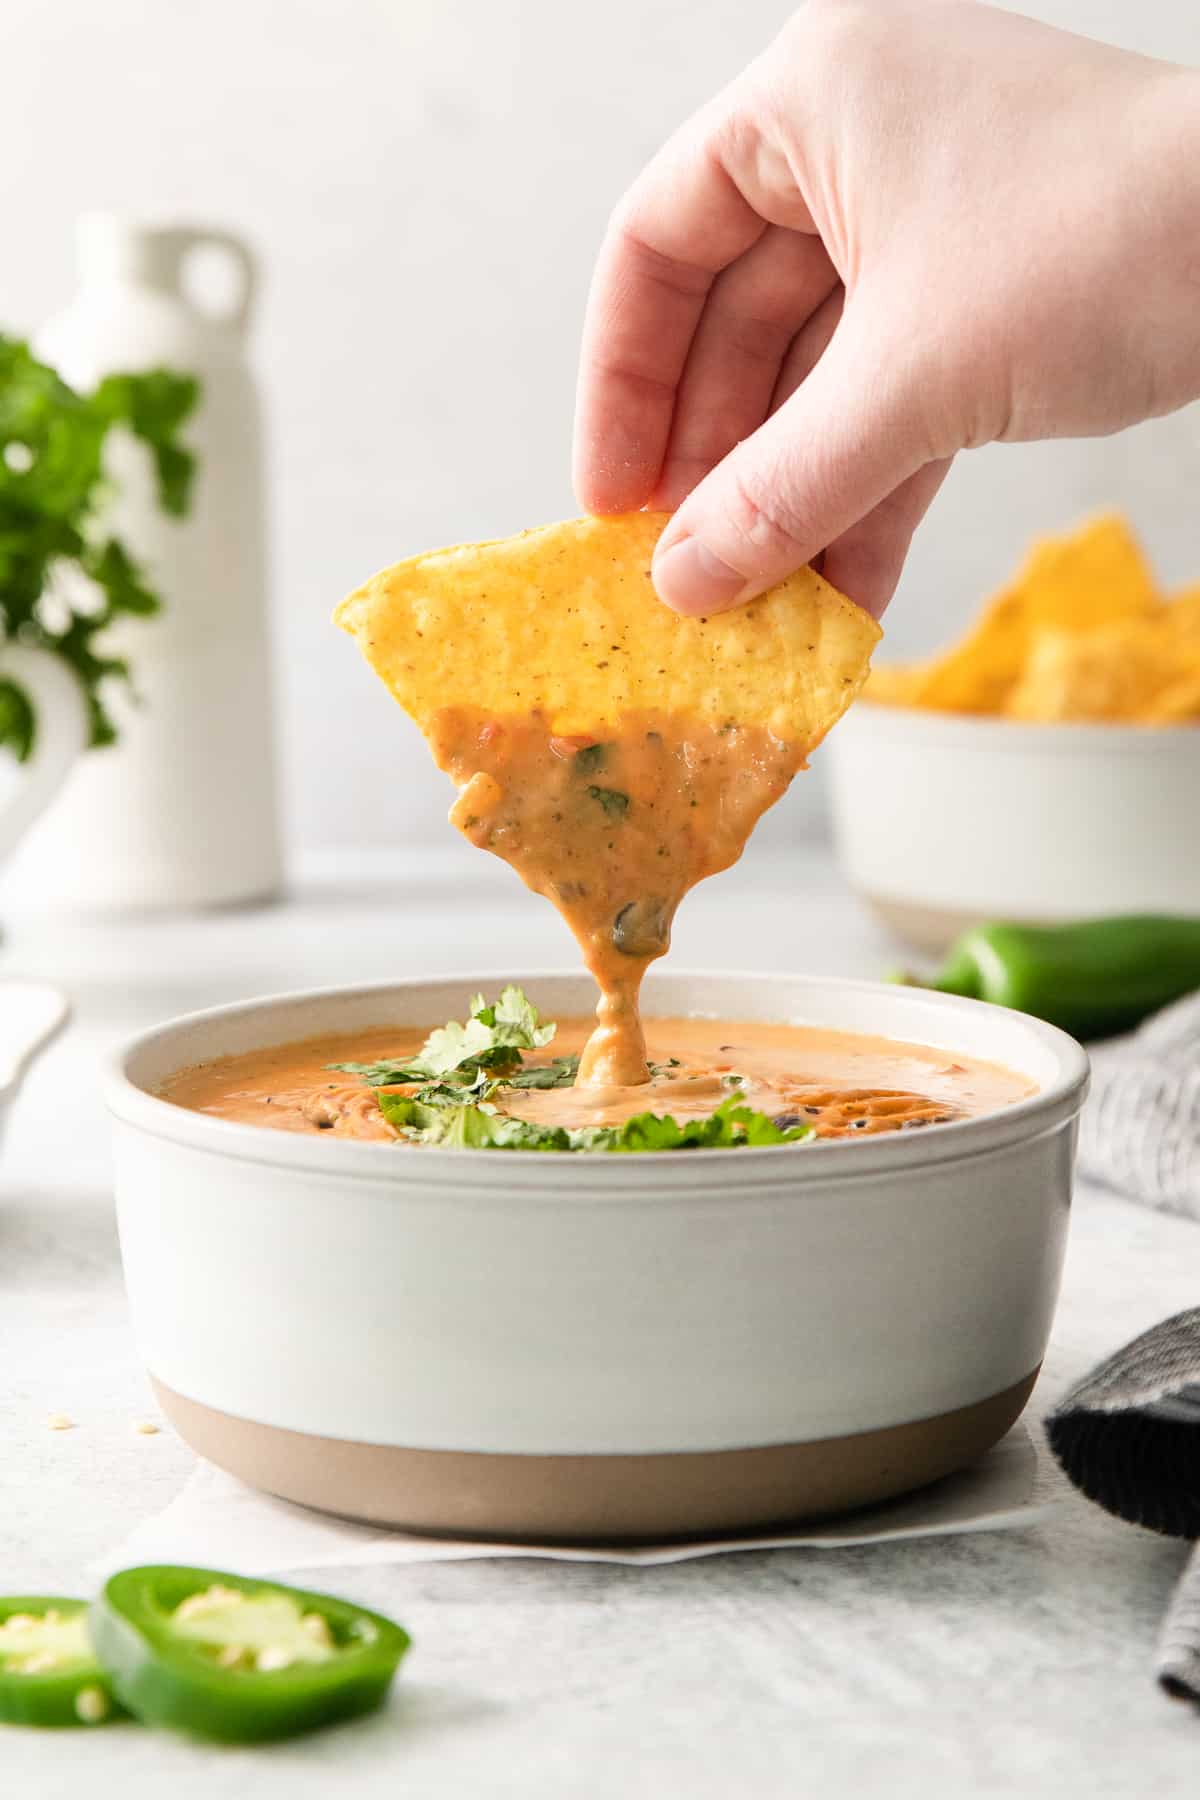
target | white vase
x=182, y=811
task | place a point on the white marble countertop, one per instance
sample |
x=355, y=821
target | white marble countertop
x=1014, y=1664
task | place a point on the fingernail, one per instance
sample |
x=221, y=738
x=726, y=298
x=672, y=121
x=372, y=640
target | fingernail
x=692, y=580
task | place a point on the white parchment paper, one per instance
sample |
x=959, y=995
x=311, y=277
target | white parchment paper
x=218, y=1522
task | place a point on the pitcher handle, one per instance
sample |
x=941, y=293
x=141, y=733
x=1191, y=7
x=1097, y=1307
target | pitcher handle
x=199, y=237
x=62, y=729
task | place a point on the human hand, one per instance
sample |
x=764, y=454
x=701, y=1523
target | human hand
x=910, y=228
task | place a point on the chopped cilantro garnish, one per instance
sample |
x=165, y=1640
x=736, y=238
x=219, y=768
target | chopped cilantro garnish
x=559, y=1073
x=614, y=802
x=461, y=1069
x=492, y=1039
x=481, y=1127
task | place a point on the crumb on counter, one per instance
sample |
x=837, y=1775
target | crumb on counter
x=59, y=1422
x=145, y=1427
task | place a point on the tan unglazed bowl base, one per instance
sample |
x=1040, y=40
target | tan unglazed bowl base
x=593, y=1499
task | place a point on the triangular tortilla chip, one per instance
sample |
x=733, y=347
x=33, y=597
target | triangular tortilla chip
x=1097, y=576
x=1182, y=615
x=564, y=621
x=613, y=753
x=1114, y=673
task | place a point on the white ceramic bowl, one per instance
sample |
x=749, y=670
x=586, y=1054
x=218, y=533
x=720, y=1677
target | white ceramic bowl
x=942, y=820
x=595, y=1347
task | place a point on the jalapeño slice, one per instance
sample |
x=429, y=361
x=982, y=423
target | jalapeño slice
x=240, y=1660
x=49, y=1674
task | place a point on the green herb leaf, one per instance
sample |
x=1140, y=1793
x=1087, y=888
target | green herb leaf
x=491, y=1040
x=52, y=485
x=461, y=1069
x=517, y=1021
x=590, y=760
x=614, y=802
x=18, y=725
x=559, y=1073
x=732, y=1126
x=154, y=406
x=467, y=1127
x=457, y=1093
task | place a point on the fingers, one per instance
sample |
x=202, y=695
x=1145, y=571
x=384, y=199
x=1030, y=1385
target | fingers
x=849, y=436
x=753, y=312
x=866, y=562
x=809, y=346
x=703, y=201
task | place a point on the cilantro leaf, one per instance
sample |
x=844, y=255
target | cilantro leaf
x=464, y=1127
x=515, y=1019
x=492, y=1039
x=614, y=802
x=732, y=1126
x=52, y=486
x=559, y=1073
x=461, y=1068
x=154, y=406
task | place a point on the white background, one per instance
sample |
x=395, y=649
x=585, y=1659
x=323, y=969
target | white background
x=427, y=181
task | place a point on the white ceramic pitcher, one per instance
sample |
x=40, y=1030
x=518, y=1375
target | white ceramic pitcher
x=181, y=812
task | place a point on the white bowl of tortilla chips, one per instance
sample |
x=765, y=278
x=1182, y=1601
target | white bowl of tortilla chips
x=1045, y=768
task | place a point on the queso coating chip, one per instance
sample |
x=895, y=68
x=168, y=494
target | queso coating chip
x=563, y=622
x=1095, y=577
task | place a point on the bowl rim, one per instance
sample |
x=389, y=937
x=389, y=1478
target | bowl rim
x=1056, y=1101
x=987, y=731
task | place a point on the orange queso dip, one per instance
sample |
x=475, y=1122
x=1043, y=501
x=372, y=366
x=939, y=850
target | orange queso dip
x=840, y=1083
x=614, y=832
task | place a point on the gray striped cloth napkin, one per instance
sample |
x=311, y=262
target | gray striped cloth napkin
x=1129, y=1437
x=1140, y=1131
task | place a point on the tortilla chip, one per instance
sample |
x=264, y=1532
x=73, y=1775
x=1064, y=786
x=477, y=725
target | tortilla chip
x=563, y=622
x=1116, y=674
x=1182, y=615
x=1178, y=704
x=1093, y=578
x=894, y=684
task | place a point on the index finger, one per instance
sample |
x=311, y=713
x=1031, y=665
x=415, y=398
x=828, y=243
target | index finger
x=682, y=222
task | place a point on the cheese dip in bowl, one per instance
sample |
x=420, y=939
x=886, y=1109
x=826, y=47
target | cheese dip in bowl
x=567, y=1344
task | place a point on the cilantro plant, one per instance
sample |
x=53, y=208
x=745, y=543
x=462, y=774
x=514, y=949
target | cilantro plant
x=52, y=486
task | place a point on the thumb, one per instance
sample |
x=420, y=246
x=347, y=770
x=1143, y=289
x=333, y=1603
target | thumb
x=851, y=434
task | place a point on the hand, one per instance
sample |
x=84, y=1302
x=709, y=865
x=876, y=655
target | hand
x=910, y=228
